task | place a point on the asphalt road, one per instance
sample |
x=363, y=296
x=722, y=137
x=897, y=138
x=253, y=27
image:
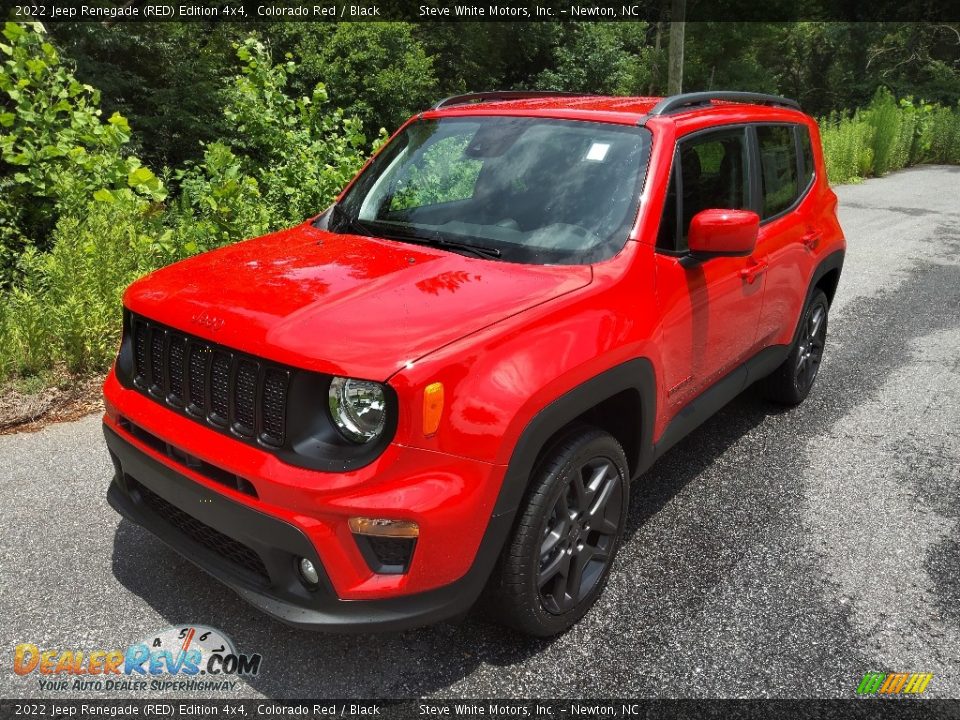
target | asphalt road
x=771, y=554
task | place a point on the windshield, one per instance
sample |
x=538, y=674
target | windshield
x=519, y=189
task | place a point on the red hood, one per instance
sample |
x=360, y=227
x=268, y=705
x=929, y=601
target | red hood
x=342, y=304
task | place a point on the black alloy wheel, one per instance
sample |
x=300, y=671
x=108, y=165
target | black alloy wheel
x=558, y=558
x=579, y=535
x=812, y=339
x=790, y=383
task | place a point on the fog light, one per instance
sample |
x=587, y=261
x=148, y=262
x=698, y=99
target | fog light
x=309, y=572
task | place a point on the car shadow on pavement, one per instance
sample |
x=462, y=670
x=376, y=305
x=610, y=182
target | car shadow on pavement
x=697, y=452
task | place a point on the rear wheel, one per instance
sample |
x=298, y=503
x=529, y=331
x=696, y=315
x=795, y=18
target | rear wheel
x=558, y=558
x=790, y=383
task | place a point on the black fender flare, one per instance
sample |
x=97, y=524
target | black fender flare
x=636, y=375
x=833, y=261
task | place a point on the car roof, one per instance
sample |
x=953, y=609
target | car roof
x=615, y=109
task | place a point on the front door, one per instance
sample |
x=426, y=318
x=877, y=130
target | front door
x=711, y=308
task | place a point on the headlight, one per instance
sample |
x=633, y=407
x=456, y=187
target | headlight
x=358, y=408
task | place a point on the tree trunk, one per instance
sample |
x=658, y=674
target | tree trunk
x=675, y=67
x=655, y=74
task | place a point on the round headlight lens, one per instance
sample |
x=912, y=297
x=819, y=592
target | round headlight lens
x=358, y=408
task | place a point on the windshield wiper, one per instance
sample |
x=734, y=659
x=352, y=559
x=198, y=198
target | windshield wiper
x=434, y=239
x=479, y=250
x=344, y=222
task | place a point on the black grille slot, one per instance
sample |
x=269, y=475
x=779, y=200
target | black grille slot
x=157, y=337
x=140, y=332
x=220, y=388
x=245, y=398
x=233, y=551
x=211, y=472
x=274, y=406
x=175, y=369
x=229, y=390
x=198, y=378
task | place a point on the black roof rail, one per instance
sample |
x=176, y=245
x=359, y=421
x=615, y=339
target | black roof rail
x=690, y=101
x=498, y=95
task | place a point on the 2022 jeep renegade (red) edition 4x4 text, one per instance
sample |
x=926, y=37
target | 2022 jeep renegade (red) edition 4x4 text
x=447, y=381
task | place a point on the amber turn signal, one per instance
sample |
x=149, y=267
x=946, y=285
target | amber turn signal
x=432, y=407
x=380, y=527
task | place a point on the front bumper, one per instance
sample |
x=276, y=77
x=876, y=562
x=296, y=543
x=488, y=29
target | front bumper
x=256, y=554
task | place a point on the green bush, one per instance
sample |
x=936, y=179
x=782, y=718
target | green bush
x=65, y=309
x=55, y=151
x=218, y=203
x=376, y=71
x=283, y=159
x=939, y=135
x=887, y=136
x=301, y=151
x=847, y=147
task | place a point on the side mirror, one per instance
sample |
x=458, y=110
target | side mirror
x=723, y=232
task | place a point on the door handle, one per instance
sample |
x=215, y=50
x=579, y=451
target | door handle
x=811, y=240
x=754, y=271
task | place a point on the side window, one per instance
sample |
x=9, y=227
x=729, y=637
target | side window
x=712, y=171
x=779, y=177
x=806, y=152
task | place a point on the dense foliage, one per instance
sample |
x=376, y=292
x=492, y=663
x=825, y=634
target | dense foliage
x=81, y=216
x=886, y=136
x=120, y=152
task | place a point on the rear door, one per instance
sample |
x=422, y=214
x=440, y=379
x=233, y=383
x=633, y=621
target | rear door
x=710, y=309
x=788, y=233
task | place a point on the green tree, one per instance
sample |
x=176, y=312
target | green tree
x=376, y=71
x=489, y=55
x=165, y=78
x=55, y=150
x=301, y=152
x=601, y=58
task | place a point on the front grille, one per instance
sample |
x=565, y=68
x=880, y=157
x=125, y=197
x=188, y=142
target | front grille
x=218, y=386
x=175, y=365
x=157, y=341
x=140, y=350
x=231, y=550
x=245, y=398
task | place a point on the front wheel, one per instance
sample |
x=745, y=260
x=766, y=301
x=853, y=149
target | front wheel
x=790, y=383
x=558, y=558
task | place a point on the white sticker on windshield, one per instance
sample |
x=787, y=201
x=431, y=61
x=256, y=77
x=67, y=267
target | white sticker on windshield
x=598, y=151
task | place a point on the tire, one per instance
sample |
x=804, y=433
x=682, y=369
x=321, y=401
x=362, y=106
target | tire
x=790, y=383
x=569, y=529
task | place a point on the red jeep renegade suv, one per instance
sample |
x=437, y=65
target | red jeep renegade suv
x=445, y=383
